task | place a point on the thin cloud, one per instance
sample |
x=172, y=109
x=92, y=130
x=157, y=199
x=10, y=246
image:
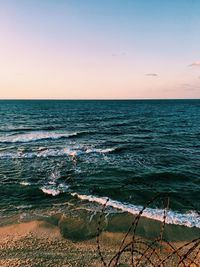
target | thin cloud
x=123, y=54
x=196, y=88
x=189, y=87
x=151, y=74
x=195, y=64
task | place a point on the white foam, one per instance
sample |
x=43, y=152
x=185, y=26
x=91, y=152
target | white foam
x=190, y=219
x=25, y=183
x=8, y=155
x=50, y=191
x=24, y=207
x=6, y=148
x=107, y=150
x=99, y=150
x=34, y=136
x=54, y=190
x=63, y=187
x=45, y=152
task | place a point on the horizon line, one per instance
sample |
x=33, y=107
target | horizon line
x=93, y=99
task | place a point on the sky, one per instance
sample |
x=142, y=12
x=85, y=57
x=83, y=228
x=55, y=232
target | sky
x=99, y=49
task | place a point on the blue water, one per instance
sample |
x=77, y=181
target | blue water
x=51, y=151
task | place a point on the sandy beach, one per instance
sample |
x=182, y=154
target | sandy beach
x=39, y=243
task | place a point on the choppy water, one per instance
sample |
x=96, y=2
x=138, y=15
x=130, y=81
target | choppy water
x=52, y=151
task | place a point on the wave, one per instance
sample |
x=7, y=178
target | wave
x=24, y=183
x=24, y=207
x=14, y=129
x=35, y=136
x=43, y=152
x=53, y=190
x=33, y=128
x=190, y=219
x=6, y=148
x=101, y=151
x=50, y=191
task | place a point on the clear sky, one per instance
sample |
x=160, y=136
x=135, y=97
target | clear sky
x=83, y=49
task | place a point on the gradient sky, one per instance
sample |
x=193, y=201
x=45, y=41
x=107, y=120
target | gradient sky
x=99, y=49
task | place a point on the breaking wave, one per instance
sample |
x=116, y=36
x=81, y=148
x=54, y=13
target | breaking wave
x=24, y=183
x=49, y=152
x=50, y=191
x=34, y=136
x=190, y=219
x=53, y=190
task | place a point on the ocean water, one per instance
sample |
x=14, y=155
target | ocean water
x=52, y=152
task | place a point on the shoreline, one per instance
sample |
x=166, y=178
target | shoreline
x=79, y=221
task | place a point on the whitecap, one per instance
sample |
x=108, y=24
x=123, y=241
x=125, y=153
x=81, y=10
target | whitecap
x=50, y=152
x=24, y=207
x=54, y=190
x=50, y=191
x=24, y=183
x=189, y=219
x=35, y=136
x=107, y=150
x=63, y=187
x=99, y=150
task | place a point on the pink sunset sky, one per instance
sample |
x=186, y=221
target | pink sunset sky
x=99, y=49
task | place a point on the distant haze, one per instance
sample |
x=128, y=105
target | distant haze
x=116, y=49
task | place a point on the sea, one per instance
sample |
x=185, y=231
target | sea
x=57, y=152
